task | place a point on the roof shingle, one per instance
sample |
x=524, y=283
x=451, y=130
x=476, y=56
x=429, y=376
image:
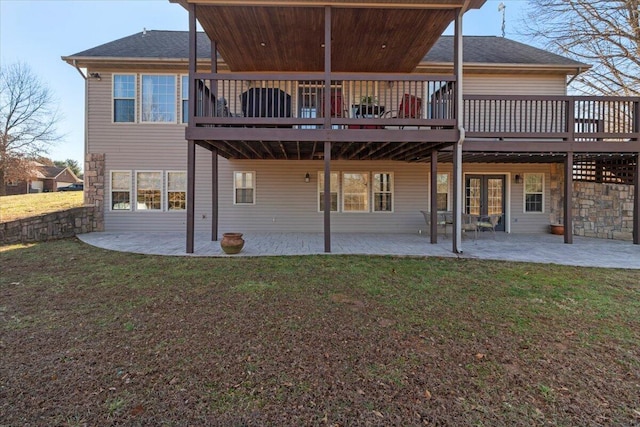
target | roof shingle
x=157, y=44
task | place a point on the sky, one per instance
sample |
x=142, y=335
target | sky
x=39, y=32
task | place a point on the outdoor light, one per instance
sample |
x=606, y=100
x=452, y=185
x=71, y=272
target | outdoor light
x=517, y=179
x=95, y=76
x=307, y=177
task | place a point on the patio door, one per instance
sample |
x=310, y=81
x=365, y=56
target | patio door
x=485, y=195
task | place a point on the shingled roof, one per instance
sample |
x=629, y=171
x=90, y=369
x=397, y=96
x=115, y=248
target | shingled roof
x=495, y=50
x=156, y=44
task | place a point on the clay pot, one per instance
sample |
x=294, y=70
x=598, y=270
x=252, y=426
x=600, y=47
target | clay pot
x=557, y=229
x=232, y=243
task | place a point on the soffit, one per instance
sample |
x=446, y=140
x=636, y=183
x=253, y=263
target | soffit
x=279, y=38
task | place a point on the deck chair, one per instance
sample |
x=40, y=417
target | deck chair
x=337, y=105
x=410, y=108
x=489, y=222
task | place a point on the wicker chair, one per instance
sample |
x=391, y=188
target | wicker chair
x=489, y=222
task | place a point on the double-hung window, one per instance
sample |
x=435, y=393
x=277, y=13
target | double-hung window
x=533, y=192
x=120, y=190
x=124, y=98
x=333, y=192
x=149, y=190
x=382, y=192
x=184, y=90
x=443, y=191
x=176, y=191
x=158, y=102
x=244, y=188
x=355, y=190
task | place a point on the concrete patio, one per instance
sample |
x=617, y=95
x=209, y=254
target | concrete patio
x=538, y=248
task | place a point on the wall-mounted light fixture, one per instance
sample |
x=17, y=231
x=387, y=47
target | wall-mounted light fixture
x=307, y=177
x=517, y=178
x=95, y=76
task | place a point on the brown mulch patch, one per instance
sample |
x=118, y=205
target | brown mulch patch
x=206, y=350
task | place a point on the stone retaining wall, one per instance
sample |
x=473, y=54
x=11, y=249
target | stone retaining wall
x=604, y=211
x=55, y=225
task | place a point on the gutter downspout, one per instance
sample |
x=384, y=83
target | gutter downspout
x=457, y=148
x=75, y=65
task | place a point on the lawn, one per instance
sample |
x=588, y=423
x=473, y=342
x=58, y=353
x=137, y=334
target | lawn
x=27, y=205
x=93, y=337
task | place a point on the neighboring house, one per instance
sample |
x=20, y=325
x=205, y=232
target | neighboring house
x=44, y=179
x=399, y=137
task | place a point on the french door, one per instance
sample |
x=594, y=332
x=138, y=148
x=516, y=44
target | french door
x=485, y=195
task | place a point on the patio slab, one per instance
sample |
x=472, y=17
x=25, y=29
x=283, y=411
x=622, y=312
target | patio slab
x=538, y=248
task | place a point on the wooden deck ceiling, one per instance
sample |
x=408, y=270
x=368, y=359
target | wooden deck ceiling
x=367, y=36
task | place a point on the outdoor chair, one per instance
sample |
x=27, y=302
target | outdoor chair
x=410, y=108
x=489, y=222
x=470, y=223
x=444, y=219
x=338, y=108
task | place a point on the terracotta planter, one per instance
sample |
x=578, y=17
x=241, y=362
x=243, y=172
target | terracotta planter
x=232, y=243
x=557, y=229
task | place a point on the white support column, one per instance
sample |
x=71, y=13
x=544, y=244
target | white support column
x=458, y=184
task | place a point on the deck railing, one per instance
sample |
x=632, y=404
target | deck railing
x=405, y=101
x=298, y=100
x=573, y=118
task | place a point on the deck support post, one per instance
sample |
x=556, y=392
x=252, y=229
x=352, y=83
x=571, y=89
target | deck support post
x=191, y=144
x=327, y=127
x=191, y=182
x=457, y=148
x=568, y=198
x=214, y=151
x=636, y=202
x=214, y=194
x=434, y=197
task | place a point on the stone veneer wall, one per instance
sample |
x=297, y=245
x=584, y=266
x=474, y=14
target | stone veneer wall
x=94, y=178
x=599, y=210
x=55, y=225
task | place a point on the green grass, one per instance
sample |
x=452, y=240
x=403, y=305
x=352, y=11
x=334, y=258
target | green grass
x=335, y=337
x=27, y=205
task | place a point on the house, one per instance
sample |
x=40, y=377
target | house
x=45, y=178
x=367, y=101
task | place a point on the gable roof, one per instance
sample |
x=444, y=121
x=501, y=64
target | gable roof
x=495, y=50
x=160, y=45
x=48, y=172
x=152, y=44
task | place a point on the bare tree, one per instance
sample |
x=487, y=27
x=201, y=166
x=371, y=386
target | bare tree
x=605, y=34
x=28, y=119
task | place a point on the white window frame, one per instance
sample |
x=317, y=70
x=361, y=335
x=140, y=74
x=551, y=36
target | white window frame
x=167, y=190
x=448, y=175
x=135, y=193
x=374, y=191
x=111, y=190
x=319, y=189
x=524, y=194
x=182, y=109
x=175, y=97
x=367, y=196
x=113, y=97
x=235, y=201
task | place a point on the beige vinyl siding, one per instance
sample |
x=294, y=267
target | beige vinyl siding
x=134, y=147
x=522, y=84
x=284, y=201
